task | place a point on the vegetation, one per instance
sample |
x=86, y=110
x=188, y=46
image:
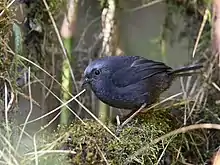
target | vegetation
x=37, y=53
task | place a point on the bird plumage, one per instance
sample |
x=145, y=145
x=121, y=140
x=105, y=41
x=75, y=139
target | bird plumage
x=127, y=82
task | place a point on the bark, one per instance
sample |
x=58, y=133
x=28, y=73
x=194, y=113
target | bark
x=110, y=43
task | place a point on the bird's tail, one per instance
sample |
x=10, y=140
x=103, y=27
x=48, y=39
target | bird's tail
x=186, y=70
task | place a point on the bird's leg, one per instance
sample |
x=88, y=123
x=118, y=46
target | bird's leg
x=133, y=115
x=120, y=126
x=118, y=121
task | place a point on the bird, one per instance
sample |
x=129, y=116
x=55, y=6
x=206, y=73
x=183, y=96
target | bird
x=128, y=82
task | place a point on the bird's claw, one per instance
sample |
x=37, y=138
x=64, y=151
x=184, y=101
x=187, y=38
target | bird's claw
x=119, y=126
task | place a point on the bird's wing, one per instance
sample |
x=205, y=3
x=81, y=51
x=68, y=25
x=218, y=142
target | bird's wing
x=139, y=70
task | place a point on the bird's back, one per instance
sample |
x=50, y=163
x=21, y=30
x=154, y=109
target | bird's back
x=129, y=81
x=136, y=81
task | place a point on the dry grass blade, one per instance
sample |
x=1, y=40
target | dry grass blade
x=8, y=160
x=52, y=151
x=55, y=80
x=205, y=18
x=102, y=154
x=9, y=145
x=132, y=116
x=90, y=113
x=145, y=5
x=162, y=154
x=2, y=12
x=163, y=101
x=173, y=133
x=61, y=43
x=8, y=154
x=216, y=159
x=56, y=109
x=30, y=109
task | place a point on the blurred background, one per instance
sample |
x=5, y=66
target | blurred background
x=140, y=34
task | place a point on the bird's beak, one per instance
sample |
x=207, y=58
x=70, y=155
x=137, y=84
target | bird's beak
x=85, y=82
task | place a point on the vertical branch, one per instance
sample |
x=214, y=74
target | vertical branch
x=216, y=37
x=109, y=42
x=214, y=65
x=68, y=32
x=109, y=29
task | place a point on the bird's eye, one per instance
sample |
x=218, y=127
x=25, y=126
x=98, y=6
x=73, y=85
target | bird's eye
x=97, y=72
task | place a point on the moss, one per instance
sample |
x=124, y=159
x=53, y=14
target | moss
x=93, y=144
x=6, y=22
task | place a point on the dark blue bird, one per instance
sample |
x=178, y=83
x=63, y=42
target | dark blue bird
x=128, y=82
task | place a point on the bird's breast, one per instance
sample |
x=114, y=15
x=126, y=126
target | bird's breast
x=130, y=97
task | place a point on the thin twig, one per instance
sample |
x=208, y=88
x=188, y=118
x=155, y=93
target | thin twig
x=2, y=12
x=205, y=18
x=90, y=113
x=58, y=108
x=30, y=110
x=61, y=43
x=144, y=5
x=172, y=133
x=133, y=115
x=102, y=154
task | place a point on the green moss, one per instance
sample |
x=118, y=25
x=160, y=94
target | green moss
x=92, y=142
x=6, y=21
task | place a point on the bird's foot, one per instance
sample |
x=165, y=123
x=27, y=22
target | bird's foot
x=121, y=126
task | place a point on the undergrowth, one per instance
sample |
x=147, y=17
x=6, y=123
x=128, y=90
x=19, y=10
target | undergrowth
x=35, y=49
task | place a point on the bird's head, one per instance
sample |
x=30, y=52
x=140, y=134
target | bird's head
x=99, y=71
x=96, y=73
